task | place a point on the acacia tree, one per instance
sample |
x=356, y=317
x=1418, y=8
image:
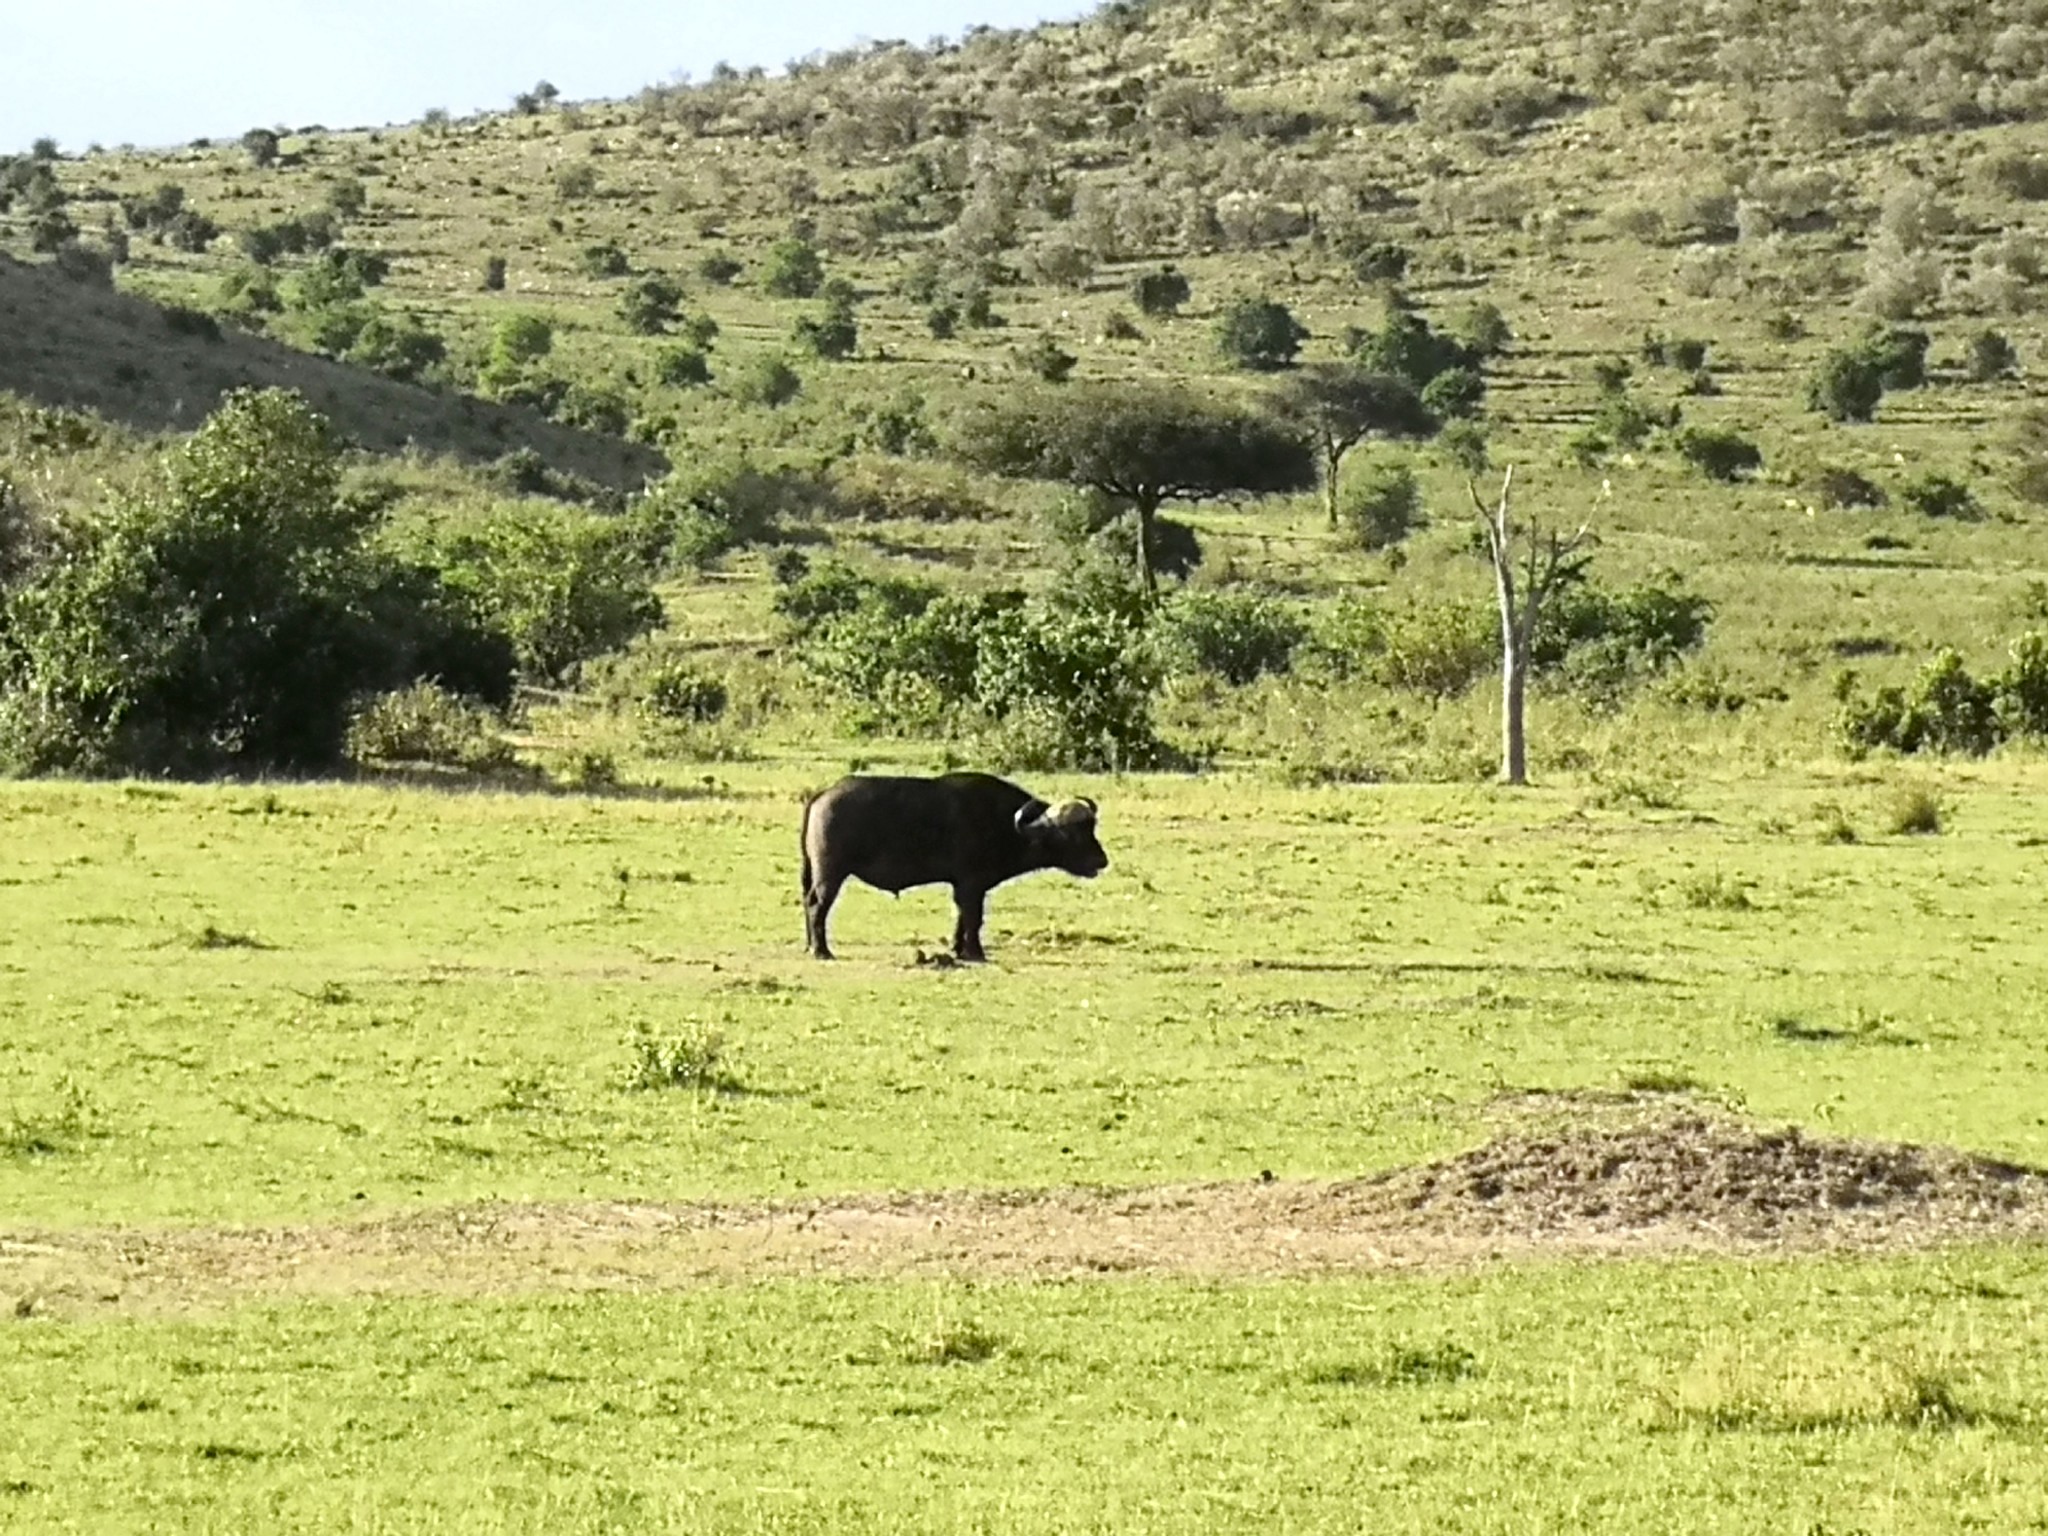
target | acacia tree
x=1546, y=559
x=1143, y=445
x=1339, y=405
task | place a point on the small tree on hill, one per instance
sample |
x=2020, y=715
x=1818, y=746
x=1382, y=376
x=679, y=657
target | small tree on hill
x=1338, y=406
x=1259, y=334
x=262, y=146
x=1529, y=564
x=793, y=270
x=1144, y=445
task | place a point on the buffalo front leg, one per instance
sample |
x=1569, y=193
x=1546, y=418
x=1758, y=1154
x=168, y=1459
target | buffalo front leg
x=967, y=930
x=818, y=899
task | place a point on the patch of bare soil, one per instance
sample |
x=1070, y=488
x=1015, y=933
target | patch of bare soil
x=1570, y=1177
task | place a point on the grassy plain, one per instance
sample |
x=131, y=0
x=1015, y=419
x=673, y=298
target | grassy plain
x=1897, y=1397
x=256, y=1003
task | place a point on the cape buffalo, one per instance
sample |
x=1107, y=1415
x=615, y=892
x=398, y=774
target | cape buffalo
x=971, y=831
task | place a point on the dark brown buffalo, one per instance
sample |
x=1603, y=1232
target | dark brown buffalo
x=971, y=831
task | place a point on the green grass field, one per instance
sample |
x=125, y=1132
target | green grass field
x=246, y=1004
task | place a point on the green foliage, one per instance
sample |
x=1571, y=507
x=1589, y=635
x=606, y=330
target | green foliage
x=1381, y=507
x=1718, y=453
x=693, y=1060
x=494, y=274
x=1160, y=294
x=682, y=366
x=520, y=339
x=1603, y=641
x=565, y=585
x=833, y=335
x=1046, y=359
x=678, y=692
x=1899, y=355
x=262, y=146
x=604, y=259
x=708, y=509
x=765, y=380
x=792, y=269
x=1408, y=348
x=1992, y=356
x=650, y=303
x=426, y=723
x=1238, y=636
x=398, y=346
x=1622, y=420
x=1847, y=386
x=1382, y=262
x=226, y=616
x=1070, y=686
x=1259, y=334
x=1945, y=709
x=1455, y=393
x=574, y=183
x=1939, y=494
x=1483, y=331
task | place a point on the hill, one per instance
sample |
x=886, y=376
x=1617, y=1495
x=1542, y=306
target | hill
x=1679, y=212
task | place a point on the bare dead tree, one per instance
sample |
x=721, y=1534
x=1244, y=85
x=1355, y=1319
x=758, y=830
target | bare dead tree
x=1544, y=558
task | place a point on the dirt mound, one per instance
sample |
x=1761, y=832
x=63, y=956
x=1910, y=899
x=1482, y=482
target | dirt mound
x=1716, y=1174
x=1579, y=1177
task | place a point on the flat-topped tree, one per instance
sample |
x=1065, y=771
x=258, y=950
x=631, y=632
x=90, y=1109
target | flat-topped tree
x=1143, y=444
x=1339, y=405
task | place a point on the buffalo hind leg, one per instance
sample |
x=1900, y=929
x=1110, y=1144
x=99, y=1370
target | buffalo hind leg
x=818, y=899
x=967, y=930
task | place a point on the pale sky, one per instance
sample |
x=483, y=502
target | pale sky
x=163, y=72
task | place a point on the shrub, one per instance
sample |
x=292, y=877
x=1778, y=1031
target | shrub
x=650, y=303
x=792, y=270
x=766, y=381
x=1073, y=685
x=1602, y=640
x=1915, y=810
x=1237, y=636
x=834, y=335
x=574, y=183
x=1944, y=710
x=564, y=585
x=1611, y=374
x=1992, y=356
x=1406, y=347
x=833, y=589
x=1382, y=506
x=1937, y=494
x=1160, y=294
x=228, y=615
x=494, y=274
x=1899, y=355
x=907, y=669
x=1622, y=421
x=1382, y=262
x=1839, y=487
x=1454, y=393
x=1045, y=358
x=719, y=269
x=674, y=691
x=1259, y=334
x=693, y=516
x=398, y=346
x=1483, y=331
x=426, y=723
x=1719, y=454
x=1847, y=386
x=682, y=366
x=605, y=259
x=262, y=146
x=1435, y=648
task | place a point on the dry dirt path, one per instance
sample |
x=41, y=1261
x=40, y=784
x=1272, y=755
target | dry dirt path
x=1642, y=1183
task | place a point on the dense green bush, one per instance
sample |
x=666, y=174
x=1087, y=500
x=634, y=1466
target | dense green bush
x=1380, y=506
x=675, y=691
x=690, y=518
x=1259, y=334
x=651, y=303
x=832, y=589
x=1719, y=453
x=1938, y=494
x=425, y=723
x=565, y=585
x=1238, y=636
x=1071, y=687
x=1945, y=709
x=227, y=615
x=765, y=380
x=682, y=366
x=1160, y=294
x=1602, y=641
x=1847, y=386
x=792, y=270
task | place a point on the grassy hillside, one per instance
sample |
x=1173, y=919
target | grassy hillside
x=1766, y=180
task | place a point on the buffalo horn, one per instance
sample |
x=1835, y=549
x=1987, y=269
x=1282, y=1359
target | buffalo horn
x=1071, y=813
x=1029, y=812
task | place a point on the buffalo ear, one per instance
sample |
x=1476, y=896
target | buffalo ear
x=1029, y=812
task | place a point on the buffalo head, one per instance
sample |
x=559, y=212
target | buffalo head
x=1063, y=836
